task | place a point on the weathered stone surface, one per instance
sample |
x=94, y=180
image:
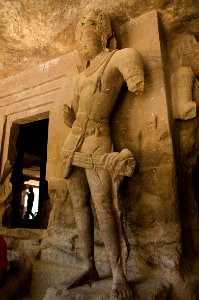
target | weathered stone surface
x=62, y=213
x=46, y=275
x=32, y=31
x=23, y=233
x=62, y=246
x=23, y=243
x=93, y=168
x=187, y=146
x=153, y=288
x=150, y=289
x=184, y=54
x=142, y=124
x=5, y=194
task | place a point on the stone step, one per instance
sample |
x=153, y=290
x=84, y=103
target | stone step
x=62, y=258
x=46, y=275
x=148, y=289
x=54, y=267
x=57, y=256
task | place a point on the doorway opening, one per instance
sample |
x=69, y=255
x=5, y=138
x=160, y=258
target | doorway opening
x=30, y=188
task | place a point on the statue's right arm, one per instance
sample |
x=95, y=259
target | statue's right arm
x=131, y=67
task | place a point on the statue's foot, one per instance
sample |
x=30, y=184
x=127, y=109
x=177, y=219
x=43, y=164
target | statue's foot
x=85, y=277
x=121, y=289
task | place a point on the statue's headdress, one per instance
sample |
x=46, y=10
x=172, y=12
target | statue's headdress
x=99, y=23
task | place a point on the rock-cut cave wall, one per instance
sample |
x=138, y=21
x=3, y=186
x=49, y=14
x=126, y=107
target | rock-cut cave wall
x=37, y=66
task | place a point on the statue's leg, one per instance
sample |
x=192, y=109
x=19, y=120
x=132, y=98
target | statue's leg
x=100, y=184
x=80, y=195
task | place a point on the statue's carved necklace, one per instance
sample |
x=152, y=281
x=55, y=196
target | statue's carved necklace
x=96, y=63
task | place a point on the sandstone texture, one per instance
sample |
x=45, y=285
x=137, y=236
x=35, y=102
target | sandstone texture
x=160, y=202
x=154, y=289
x=32, y=31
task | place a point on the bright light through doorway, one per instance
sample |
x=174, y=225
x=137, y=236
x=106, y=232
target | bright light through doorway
x=36, y=198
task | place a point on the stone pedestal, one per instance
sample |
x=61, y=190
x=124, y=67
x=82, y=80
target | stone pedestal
x=150, y=289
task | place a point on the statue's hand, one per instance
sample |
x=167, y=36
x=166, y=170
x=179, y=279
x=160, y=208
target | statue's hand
x=111, y=161
x=69, y=115
x=119, y=163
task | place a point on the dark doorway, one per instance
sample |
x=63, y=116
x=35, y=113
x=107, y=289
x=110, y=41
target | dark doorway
x=29, y=172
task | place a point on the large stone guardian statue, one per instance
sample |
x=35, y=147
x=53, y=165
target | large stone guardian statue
x=91, y=165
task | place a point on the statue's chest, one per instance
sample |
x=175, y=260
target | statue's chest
x=87, y=83
x=97, y=82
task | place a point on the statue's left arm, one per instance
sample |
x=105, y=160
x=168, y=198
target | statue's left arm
x=132, y=69
x=70, y=112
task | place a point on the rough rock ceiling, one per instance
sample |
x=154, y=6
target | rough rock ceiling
x=32, y=31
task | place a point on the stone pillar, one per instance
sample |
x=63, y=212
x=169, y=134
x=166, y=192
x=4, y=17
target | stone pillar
x=184, y=58
x=142, y=124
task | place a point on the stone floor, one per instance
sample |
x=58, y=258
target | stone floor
x=150, y=289
x=41, y=267
x=47, y=276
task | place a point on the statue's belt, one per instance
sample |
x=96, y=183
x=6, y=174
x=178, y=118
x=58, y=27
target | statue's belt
x=81, y=120
x=93, y=126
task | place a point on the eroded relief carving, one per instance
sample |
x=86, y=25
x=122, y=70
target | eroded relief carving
x=5, y=191
x=185, y=79
x=91, y=165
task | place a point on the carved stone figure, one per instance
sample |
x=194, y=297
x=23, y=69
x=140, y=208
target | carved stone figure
x=185, y=80
x=5, y=190
x=91, y=165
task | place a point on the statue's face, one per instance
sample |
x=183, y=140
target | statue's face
x=90, y=45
